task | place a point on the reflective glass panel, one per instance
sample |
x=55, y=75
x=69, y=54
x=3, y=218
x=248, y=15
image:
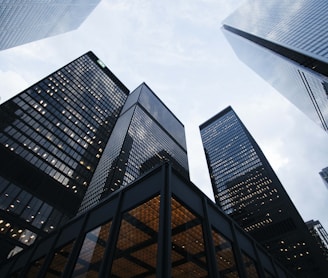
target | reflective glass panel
x=136, y=249
x=224, y=256
x=188, y=252
x=267, y=274
x=35, y=268
x=250, y=266
x=59, y=261
x=92, y=251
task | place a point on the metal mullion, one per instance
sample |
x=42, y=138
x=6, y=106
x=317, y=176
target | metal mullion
x=164, y=234
x=209, y=243
x=108, y=257
x=237, y=252
x=72, y=259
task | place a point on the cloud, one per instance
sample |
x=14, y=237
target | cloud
x=11, y=83
x=178, y=49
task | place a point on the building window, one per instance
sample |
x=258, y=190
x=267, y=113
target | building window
x=224, y=256
x=35, y=267
x=92, y=251
x=136, y=248
x=59, y=261
x=250, y=266
x=188, y=251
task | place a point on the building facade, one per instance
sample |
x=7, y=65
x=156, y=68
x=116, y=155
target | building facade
x=247, y=189
x=324, y=175
x=161, y=225
x=51, y=139
x=320, y=235
x=24, y=21
x=146, y=134
x=291, y=38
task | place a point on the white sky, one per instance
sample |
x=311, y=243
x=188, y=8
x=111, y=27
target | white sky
x=178, y=49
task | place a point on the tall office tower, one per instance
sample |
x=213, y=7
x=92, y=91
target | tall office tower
x=146, y=134
x=51, y=139
x=247, y=189
x=286, y=43
x=320, y=234
x=24, y=21
x=324, y=175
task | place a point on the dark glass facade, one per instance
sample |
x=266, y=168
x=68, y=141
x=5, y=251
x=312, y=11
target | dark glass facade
x=161, y=225
x=24, y=21
x=146, y=134
x=320, y=235
x=247, y=189
x=52, y=136
x=286, y=44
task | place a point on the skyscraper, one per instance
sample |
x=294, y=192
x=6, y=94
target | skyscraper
x=146, y=134
x=51, y=139
x=324, y=175
x=246, y=188
x=320, y=235
x=24, y=21
x=286, y=43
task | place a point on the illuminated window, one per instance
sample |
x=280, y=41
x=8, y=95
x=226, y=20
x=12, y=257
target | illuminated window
x=224, y=256
x=250, y=266
x=59, y=261
x=188, y=251
x=136, y=249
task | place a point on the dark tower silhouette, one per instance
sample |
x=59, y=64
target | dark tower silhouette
x=51, y=139
x=145, y=128
x=247, y=189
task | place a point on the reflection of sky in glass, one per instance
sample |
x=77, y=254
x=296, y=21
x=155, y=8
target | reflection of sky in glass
x=300, y=25
x=159, y=111
x=285, y=76
x=146, y=134
x=34, y=20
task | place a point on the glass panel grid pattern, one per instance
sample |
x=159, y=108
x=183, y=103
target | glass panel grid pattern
x=224, y=256
x=250, y=267
x=92, y=251
x=136, y=249
x=254, y=196
x=139, y=143
x=54, y=134
x=62, y=123
x=59, y=261
x=24, y=22
x=188, y=250
x=35, y=267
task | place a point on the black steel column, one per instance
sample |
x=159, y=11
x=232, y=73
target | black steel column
x=209, y=244
x=237, y=251
x=76, y=249
x=108, y=257
x=164, y=234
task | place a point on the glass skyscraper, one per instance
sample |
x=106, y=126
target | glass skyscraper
x=324, y=175
x=320, y=234
x=71, y=140
x=247, y=189
x=146, y=134
x=286, y=43
x=52, y=136
x=24, y=21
